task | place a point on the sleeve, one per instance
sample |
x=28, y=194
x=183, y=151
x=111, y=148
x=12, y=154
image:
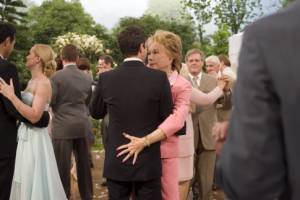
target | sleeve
x=252, y=163
x=166, y=102
x=97, y=105
x=54, y=86
x=176, y=120
x=200, y=98
x=11, y=74
x=11, y=110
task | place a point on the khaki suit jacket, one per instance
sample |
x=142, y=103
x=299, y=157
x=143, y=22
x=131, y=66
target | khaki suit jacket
x=204, y=121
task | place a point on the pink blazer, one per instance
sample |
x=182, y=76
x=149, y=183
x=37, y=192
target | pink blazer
x=181, y=93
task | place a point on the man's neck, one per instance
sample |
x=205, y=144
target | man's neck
x=68, y=63
x=2, y=54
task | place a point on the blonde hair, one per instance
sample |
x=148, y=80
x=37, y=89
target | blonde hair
x=172, y=43
x=47, y=57
x=194, y=51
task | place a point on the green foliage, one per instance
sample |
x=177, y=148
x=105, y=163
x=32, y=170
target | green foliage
x=11, y=11
x=220, y=41
x=202, y=14
x=57, y=17
x=284, y=3
x=237, y=13
x=150, y=24
x=22, y=47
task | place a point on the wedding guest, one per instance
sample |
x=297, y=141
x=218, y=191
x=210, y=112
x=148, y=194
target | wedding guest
x=164, y=53
x=260, y=158
x=71, y=91
x=36, y=174
x=225, y=67
x=203, y=120
x=126, y=94
x=8, y=113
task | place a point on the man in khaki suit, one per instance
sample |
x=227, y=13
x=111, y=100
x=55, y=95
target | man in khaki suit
x=203, y=121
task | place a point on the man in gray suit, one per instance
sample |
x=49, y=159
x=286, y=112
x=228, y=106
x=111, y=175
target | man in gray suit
x=260, y=159
x=71, y=92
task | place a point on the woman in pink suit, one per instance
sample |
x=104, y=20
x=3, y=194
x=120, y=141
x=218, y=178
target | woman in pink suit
x=164, y=53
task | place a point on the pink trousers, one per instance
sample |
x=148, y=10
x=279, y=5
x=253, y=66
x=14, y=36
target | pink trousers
x=169, y=179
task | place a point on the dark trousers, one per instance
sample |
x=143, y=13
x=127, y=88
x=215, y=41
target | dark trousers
x=7, y=166
x=142, y=190
x=63, y=149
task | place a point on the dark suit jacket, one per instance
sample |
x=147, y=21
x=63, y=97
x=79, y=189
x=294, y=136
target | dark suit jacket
x=72, y=90
x=260, y=159
x=9, y=115
x=137, y=99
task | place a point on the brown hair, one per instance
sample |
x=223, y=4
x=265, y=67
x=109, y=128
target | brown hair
x=69, y=53
x=130, y=40
x=194, y=51
x=223, y=58
x=107, y=59
x=47, y=57
x=83, y=64
x=172, y=43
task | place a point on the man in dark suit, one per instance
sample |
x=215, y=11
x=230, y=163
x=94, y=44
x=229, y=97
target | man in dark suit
x=137, y=100
x=8, y=114
x=71, y=91
x=260, y=159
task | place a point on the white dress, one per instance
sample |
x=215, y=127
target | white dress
x=36, y=175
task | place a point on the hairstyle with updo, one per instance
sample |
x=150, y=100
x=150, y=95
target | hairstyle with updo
x=47, y=56
x=172, y=43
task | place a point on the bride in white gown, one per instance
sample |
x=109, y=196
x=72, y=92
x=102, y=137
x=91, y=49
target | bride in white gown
x=36, y=175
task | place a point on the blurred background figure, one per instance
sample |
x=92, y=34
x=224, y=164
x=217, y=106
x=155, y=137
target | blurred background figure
x=105, y=63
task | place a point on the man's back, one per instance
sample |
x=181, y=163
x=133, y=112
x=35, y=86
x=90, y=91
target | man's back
x=138, y=99
x=260, y=157
x=71, y=90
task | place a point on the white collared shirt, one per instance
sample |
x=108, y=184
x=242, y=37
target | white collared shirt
x=198, y=78
x=133, y=59
x=66, y=65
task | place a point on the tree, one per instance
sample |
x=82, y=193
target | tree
x=220, y=41
x=167, y=10
x=57, y=17
x=237, y=13
x=202, y=14
x=11, y=11
x=150, y=24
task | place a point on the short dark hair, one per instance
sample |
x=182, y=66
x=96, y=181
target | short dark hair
x=7, y=30
x=107, y=59
x=130, y=39
x=83, y=64
x=70, y=53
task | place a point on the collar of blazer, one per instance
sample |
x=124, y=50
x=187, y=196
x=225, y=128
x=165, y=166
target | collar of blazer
x=70, y=66
x=133, y=63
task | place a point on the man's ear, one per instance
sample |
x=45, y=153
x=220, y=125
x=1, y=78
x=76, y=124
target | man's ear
x=142, y=47
x=7, y=41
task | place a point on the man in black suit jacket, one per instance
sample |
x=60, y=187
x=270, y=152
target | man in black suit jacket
x=8, y=114
x=137, y=100
x=260, y=159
